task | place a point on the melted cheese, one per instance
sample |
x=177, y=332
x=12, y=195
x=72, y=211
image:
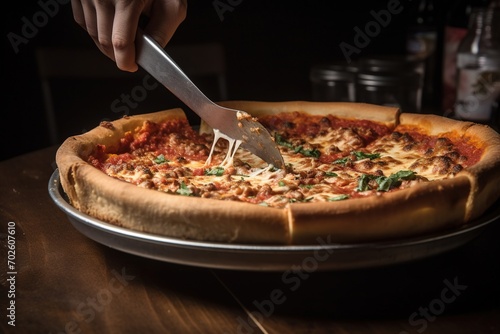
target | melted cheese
x=239, y=175
x=231, y=151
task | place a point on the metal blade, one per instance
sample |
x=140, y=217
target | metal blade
x=233, y=123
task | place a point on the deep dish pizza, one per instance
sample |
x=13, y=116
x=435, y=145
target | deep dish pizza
x=353, y=172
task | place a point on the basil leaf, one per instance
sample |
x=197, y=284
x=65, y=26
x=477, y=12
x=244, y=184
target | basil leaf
x=331, y=174
x=217, y=171
x=359, y=156
x=314, y=153
x=338, y=198
x=405, y=175
x=184, y=190
x=362, y=155
x=386, y=183
x=160, y=159
x=363, y=181
x=280, y=141
x=342, y=161
x=394, y=180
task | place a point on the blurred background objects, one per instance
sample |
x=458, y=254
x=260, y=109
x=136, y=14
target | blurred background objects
x=268, y=48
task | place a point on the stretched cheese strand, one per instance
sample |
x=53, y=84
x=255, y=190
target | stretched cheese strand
x=234, y=144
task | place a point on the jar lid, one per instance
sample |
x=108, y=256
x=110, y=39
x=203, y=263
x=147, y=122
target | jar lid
x=333, y=72
x=389, y=63
x=389, y=79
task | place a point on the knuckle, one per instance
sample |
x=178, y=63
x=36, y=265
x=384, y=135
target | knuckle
x=105, y=42
x=120, y=43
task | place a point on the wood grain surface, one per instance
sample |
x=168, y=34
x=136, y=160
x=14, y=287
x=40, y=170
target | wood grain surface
x=67, y=283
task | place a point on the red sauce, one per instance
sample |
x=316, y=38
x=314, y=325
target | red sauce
x=463, y=145
x=303, y=125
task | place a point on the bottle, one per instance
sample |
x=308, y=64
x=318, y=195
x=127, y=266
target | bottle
x=421, y=41
x=478, y=68
x=454, y=31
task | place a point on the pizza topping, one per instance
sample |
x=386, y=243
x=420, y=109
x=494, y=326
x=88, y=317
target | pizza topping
x=327, y=160
x=301, y=148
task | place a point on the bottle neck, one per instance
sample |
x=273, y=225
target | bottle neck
x=483, y=30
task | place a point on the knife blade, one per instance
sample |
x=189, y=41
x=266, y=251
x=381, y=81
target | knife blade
x=233, y=123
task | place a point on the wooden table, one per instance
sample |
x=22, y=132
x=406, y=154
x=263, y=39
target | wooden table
x=67, y=283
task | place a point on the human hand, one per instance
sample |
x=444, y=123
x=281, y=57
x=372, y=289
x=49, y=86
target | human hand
x=113, y=24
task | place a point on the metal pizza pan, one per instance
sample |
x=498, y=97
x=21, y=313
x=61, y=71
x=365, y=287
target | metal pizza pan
x=321, y=256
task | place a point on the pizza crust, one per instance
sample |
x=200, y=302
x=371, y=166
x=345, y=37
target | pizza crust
x=435, y=125
x=387, y=116
x=424, y=208
x=485, y=175
x=96, y=194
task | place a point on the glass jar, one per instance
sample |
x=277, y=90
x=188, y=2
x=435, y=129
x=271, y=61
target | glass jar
x=391, y=80
x=333, y=82
x=390, y=89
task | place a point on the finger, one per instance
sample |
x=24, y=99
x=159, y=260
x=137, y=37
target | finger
x=78, y=14
x=123, y=36
x=165, y=18
x=90, y=18
x=105, y=15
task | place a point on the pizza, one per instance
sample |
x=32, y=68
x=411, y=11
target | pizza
x=353, y=173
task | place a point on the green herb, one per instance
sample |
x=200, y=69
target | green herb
x=363, y=182
x=273, y=169
x=385, y=183
x=394, y=180
x=184, y=190
x=338, y=198
x=359, y=156
x=217, y=171
x=341, y=161
x=362, y=155
x=160, y=159
x=282, y=183
x=314, y=153
x=331, y=174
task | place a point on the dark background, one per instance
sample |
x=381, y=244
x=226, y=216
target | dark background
x=270, y=47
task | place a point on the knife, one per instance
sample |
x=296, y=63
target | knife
x=233, y=123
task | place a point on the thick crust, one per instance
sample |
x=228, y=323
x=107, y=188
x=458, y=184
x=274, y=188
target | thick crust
x=362, y=111
x=434, y=125
x=124, y=204
x=136, y=208
x=485, y=175
x=423, y=208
